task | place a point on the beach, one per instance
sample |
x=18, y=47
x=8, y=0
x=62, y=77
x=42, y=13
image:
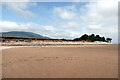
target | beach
x=80, y=61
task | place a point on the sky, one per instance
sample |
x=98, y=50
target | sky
x=61, y=19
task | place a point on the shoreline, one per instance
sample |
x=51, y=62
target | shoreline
x=41, y=43
x=83, y=45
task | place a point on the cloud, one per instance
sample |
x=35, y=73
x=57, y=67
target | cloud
x=15, y=0
x=45, y=30
x=21, y=8
x=13, y=26
x=99, y=17
x=67, y=12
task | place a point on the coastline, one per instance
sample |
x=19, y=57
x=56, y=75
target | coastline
x=82, y=45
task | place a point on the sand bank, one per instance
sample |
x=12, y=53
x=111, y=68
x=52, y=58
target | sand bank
x=88, y=61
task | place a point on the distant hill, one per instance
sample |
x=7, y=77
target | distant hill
x=22, y=34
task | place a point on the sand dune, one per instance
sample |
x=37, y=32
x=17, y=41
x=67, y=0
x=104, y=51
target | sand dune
x=85, y=61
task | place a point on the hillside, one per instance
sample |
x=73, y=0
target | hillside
x=21, y=34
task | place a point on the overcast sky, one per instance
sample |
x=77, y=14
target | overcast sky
x=62, y=19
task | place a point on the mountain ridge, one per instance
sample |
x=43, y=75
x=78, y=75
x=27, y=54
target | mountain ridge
x=22, y=34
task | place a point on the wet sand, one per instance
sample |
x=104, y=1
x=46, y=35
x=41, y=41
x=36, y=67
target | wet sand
x=85, y=61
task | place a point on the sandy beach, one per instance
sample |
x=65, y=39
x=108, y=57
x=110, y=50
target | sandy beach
x=84, y=61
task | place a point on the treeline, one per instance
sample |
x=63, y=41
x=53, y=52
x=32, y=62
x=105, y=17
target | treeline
x=92, y=38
